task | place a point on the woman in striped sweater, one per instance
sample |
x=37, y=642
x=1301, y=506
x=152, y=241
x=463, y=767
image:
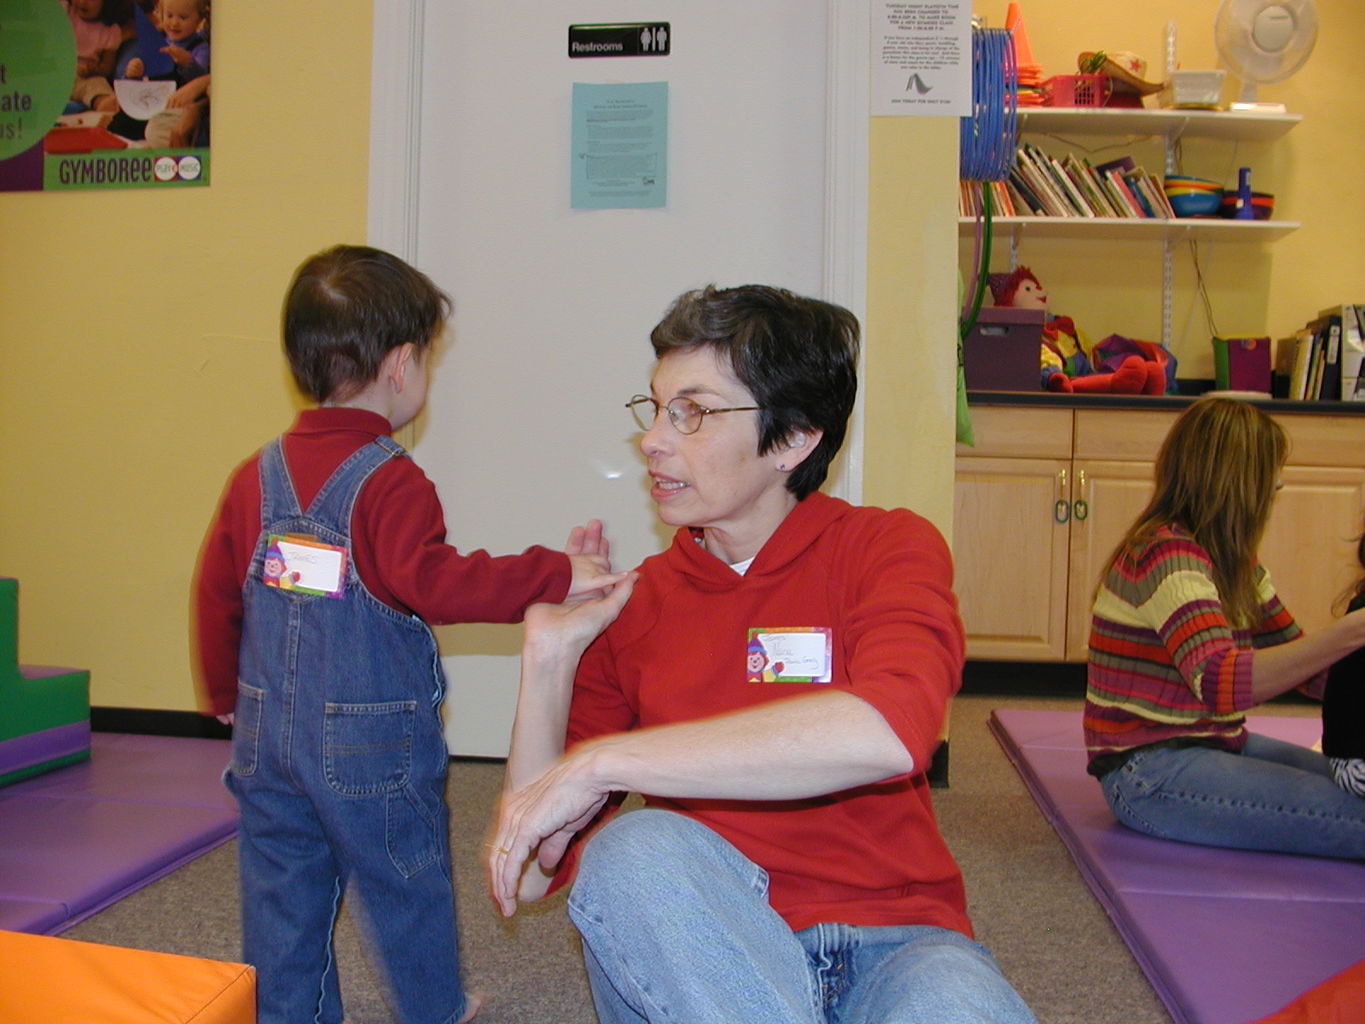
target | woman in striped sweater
x=1188, y=635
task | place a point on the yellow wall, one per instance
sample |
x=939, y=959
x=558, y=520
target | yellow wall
x=911, y=362
x=1314, y=172
x=129, y=390
x=139, y=353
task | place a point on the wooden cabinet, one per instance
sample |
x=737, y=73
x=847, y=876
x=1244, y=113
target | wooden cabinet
x=1010, y=549
x=1310, y=544
x=1046, y=493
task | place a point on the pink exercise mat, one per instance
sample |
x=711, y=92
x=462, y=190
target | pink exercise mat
x=77, y=839
x=1224, y=936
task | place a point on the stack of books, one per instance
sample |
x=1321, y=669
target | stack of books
x=1043, y=186
x=969, y=199
x=1322, y=360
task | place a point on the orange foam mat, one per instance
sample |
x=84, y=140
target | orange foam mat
x=50, y=980
x=1338, y=1000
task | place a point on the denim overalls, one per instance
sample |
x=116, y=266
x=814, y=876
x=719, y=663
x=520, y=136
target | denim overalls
x=338, y=767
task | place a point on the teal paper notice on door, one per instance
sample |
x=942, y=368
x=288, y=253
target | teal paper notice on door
x=620, y=146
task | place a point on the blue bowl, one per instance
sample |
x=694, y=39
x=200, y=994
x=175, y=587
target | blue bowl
x=1195, y=204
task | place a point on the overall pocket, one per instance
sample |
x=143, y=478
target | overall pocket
x=367, y=748
x=246, y=730
x=412, y=833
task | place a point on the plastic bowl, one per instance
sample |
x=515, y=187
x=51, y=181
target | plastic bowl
x=1186, y=181
x=1194, y=204
x=1262, y=204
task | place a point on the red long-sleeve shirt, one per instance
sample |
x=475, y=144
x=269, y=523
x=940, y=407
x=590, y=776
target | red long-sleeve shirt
x=398, y=539
x=880, y=583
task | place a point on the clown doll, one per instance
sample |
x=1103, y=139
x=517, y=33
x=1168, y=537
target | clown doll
x=1067, y=355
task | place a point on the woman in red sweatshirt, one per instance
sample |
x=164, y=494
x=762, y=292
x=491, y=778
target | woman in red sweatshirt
x=774, y=685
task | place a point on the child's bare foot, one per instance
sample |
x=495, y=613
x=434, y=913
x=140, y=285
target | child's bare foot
x=472, y=1004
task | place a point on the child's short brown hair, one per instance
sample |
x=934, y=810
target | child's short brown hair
x=347, y=308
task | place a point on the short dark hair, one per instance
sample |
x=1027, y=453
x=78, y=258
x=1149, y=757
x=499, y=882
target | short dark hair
x=797, y=356
x=347, y=308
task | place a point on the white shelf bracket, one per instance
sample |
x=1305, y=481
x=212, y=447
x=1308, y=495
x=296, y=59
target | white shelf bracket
x=1166, y=293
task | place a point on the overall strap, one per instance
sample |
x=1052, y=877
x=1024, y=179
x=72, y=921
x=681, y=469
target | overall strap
x=334, y=501
x=278, y=498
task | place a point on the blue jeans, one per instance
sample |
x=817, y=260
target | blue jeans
x=676, y=926
x=1272, y=796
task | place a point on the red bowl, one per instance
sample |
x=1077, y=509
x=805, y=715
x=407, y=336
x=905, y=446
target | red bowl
x=1262, y=204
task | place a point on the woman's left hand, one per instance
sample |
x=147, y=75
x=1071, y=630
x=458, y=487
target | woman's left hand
x=569, y=627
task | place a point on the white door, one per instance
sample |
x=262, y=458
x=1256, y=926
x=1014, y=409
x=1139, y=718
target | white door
x=526, y=432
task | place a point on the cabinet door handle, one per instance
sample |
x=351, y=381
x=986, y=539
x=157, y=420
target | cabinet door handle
x=1080, y=507
x=1061, y=508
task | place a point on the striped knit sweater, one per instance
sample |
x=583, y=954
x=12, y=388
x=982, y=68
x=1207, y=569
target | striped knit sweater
x=1165, y=664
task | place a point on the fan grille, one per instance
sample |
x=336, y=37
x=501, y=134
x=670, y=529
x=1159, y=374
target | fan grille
x=1265, y=41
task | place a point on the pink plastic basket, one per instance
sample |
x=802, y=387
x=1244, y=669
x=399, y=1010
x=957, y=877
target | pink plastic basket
x=1076, y=91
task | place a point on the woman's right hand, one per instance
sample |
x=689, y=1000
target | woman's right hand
x=535, y=825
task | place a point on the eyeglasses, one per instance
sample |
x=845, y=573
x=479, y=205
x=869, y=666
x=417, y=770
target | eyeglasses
x=685, y=414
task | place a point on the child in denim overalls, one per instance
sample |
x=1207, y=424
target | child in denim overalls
x=318, y=578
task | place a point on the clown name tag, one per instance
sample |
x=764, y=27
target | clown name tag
x=306, y=566
x=795, y=654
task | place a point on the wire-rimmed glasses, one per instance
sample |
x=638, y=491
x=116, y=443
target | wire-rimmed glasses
x=685, y=414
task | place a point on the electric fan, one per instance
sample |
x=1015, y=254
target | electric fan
x=1264, y=41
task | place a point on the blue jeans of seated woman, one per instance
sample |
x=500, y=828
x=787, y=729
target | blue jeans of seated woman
x=1272, y=796
x=676, y=926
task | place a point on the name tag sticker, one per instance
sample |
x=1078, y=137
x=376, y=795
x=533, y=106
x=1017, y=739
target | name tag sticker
x=305, y=566
x=791, y=654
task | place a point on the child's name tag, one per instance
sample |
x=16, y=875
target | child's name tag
x=307, y=566
x=793, y=654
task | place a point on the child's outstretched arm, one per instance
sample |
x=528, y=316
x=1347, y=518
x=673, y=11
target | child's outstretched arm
x=589, y=554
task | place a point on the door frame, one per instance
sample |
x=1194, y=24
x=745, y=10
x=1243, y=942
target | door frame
x=393, y=212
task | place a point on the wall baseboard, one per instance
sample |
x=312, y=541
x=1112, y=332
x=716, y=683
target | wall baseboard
x=153, y=722
x=1024, y=678
x=1050, y=679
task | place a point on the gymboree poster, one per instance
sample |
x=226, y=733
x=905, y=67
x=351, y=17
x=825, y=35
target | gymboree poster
x=101, y=94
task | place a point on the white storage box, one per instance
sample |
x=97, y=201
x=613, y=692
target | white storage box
x=1200, y=89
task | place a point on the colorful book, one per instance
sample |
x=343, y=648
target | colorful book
x=1115, y=178
x=1113, y=202
x=1073, y=195
x=1080, y=173
x=1134, y=182
x=1302, y=364
x=1051, y=178
x=1042, y=185
x=1024, y=198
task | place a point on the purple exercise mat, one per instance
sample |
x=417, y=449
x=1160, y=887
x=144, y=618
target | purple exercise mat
x=75, y=840
x=1224, y=936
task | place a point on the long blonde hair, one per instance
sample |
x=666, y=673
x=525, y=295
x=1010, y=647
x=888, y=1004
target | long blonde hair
x=1216, y=477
